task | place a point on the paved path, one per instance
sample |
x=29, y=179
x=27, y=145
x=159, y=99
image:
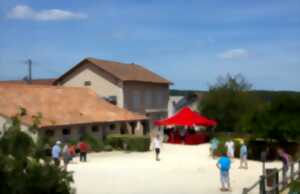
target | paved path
x=182, y=170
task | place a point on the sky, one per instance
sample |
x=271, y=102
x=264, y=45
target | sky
x=190, y=42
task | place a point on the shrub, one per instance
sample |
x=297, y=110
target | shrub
x=222, y=148
x=129, y=142
x=95, y=144
x=108, y=148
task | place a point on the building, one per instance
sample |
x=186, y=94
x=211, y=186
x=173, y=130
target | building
x=129, y=86
x=67, y=112
x=182, y=99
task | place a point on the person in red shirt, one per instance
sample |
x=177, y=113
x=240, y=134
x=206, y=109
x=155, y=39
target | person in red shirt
x=72, y=151
x=83, y=148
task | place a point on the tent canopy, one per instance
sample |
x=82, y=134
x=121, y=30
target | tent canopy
x=186, y=117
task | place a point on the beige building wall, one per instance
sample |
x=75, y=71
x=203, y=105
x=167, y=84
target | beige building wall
x=101, y=82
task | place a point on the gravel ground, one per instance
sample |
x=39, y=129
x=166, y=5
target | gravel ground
x=183, y=169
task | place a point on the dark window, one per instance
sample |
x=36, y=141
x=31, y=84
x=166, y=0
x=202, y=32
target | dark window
x=112, y=99
x=112, y=127
x=87, y=83
x=49, y=132
x=66, y=131
x=95, y=129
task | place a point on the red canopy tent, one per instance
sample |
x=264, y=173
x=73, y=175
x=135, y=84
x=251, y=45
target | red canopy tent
x=186, y=117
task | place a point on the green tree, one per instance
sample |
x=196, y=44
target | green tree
x=20, y=171
x=228, y=101
x=279, y=119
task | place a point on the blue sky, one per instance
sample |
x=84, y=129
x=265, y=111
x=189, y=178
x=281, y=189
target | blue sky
x=189, y=42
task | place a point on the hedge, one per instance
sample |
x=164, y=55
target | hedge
x=129, y=142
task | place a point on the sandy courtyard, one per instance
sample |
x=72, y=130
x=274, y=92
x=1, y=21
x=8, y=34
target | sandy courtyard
x=182, y=170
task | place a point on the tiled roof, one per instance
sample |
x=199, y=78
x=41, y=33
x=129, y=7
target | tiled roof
x=122, y=71
x=34, y=81
x=60, y=105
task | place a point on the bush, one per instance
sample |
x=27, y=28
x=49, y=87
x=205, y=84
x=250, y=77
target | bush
x=129, y=142
x=95, y=144
x=222, y=148
x=108, y=148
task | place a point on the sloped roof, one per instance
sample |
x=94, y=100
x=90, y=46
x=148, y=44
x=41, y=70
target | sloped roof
x=122, y=71
x=60, y=105
x=34, y=81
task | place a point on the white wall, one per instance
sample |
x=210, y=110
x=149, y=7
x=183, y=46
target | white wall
x=99, y=84
x=2, y=122
x=172, y=100
x=24, y=128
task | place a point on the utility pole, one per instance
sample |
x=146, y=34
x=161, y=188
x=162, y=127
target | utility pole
x=29, y=70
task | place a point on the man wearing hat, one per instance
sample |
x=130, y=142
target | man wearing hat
x=56, y=152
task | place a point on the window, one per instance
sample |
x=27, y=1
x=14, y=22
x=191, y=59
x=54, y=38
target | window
x=49, y=132
x=87, y=83
x=112, y=99
x=148, y=99
x=159, y=98
x=112, y=127
x=66, y=131
x=95, y=129
x=136, y=100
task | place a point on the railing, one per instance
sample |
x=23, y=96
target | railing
x=275, y=181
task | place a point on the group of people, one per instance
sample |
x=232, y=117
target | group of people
x=68, y=152
x=224, y=162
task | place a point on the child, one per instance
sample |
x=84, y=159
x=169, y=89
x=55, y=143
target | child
x=224, y=166
x=156, y=143
x=243, y=156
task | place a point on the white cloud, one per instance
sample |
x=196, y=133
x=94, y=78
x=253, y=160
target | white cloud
x=25, y=12
x=239, y=53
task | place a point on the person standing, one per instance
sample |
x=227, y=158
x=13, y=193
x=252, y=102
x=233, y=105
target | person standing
x=66, y=156
x=157, y=146
x=243, y=156
x=286, y=160
x=182, y=135
x=230, y=149
x=72, y=152
x=83, y=149
x=224, y=164
x=213, y=146
x=56, y=153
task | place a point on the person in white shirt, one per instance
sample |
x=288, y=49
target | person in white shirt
x=230, y=149
x=156, y=143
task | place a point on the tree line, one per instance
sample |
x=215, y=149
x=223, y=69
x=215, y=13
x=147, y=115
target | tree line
x=238, y=108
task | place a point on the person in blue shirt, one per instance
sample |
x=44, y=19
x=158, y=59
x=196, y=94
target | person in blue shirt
x=224, y=164
x=243, y=156
x=56, y=153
